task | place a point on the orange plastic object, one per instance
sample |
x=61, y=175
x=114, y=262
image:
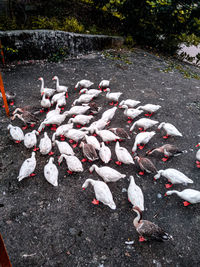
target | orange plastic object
x=4, y=96
x=4, y=259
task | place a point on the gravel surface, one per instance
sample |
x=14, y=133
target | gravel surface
x=44, y=225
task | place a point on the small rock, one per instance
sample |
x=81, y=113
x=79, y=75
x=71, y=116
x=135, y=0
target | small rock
x=124, y=190
x=72, y=231
x=159, y=195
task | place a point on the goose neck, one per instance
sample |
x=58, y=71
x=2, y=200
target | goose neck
x=138, y=218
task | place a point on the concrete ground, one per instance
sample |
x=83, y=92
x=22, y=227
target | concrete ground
x=48, y=226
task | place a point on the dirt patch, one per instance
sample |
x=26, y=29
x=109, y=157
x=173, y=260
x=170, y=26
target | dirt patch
x=47, y=226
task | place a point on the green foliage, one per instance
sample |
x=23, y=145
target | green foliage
x=58, y=56
x=160, y=24
x=117, y=55
x=10, y=54
x=191, y=39
x=45, y=23
x=186, y=72
x=129, y=41
x=7, y=23
x=69, y=24
x=72, y=25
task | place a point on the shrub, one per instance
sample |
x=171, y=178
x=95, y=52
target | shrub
x=45, y=23
x=72, y=25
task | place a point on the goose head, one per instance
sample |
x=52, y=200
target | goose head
x=9, y=126
x=20, y=116
x=93, y=167
x=161, y=125
x=124, y=106
x=55, y=78
x=157, y=176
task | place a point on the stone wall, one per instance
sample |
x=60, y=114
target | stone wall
x=40, y=44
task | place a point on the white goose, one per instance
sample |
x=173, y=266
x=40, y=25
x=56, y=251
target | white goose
x=105, y=153
x=47, y=91
x=100, y=124
x=64, y=148
x=84, y=84
x=73, y=163
x=53, y=112
x=61, y=130
x=45, y=102
x=108, y=174
x=75, y=134
x=56, y=97
x=149, y=108
x=104, y=84
x=102, y=193
x=106, y=135
x=51, y=172
x=81, y=119
x=109, y=114
x=170, y=130
x=189, y=195
x=56, y=119
x=93, y=92
x=76, y=110
x=85, y=98
x=123, y=155
x=27, y=167
x=142, y=138
x=131, y=112
x=130, y=103
x=16, y=133
x=45, y=145
x=135, y=195
x=59, y=88
x=30, y=139
x=174, y=176
x=144, y=123
x=113, y=96
x=92, y=140
x=61, y=102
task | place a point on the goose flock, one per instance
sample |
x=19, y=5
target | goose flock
x=78, y=129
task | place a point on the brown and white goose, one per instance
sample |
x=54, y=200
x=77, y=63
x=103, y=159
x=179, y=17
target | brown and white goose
x=27, y=118
x=145, y=165
x=168, y=150
x=148, y=230
x=120, y=132
x=32, y=109
x=89, y=151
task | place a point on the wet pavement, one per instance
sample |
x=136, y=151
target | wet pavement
x=44, y=225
